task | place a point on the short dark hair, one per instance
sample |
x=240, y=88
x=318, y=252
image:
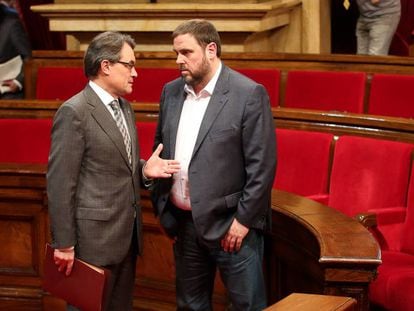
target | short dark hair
x=203, y=31
x=105, y=46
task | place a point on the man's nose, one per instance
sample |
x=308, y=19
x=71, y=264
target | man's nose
x=179, y=59
x=134, y=72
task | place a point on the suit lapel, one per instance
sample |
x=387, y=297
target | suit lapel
x=106, y=122
x=216, y=104
x=176, y=106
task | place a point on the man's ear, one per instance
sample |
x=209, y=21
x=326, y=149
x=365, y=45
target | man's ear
x=211, y=50
x=106, y=67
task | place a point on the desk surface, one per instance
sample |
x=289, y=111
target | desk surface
x=310, y=302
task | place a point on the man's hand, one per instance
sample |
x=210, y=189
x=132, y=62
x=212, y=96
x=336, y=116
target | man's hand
x=160, y=168
x=64, y=259
x=233, y=239
x=13, y=87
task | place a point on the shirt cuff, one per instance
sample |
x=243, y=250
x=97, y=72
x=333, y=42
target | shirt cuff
x=146, y=181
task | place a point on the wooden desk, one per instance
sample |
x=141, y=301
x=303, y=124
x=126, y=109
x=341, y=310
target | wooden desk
x=310, y=302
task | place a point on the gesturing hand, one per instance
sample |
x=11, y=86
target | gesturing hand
x=160, y=168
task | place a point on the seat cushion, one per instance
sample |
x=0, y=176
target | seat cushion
x=393, y=263
x=400, y=291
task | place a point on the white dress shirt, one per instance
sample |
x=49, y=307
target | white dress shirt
x=107, y=99
x=192, y=115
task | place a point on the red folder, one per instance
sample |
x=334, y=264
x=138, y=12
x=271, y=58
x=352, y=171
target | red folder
x=84, y=288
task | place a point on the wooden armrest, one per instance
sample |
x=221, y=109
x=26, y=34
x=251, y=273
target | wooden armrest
x=368, y=220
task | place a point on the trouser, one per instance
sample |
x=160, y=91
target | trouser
x=374, y=35
x=241, y=272
x=120, y=287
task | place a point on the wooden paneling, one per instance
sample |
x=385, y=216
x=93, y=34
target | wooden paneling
x=24, y=231
x=308, y=249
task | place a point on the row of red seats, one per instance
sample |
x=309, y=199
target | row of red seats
x=28, y=140
x=63, y=82
x=357, y=175
x=389, y=95
x=351, y=174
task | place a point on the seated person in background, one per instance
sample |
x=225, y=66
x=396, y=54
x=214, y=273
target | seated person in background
x=13, y=42
x=378, y=20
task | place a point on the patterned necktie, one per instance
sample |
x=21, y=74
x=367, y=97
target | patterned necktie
x=120, y=123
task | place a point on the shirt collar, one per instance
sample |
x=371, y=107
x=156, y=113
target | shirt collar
x=103, y=95
x=209, y=88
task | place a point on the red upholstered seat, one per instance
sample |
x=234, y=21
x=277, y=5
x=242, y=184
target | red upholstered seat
x=400, y=291
x=269, y=78
x=368, y=174
x=146, y=134
x=393, y=281
x=392, y=95
x=64, y=82
x=326, y=90
x=393, y=288
x=303, y=162
x=25, y=140
x=59, y=83
x=150, y=82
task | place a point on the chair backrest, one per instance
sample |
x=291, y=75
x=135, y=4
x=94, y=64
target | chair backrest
x=150, y=82
x=146, y=135
x=325, y=90
x=392, y=95
x=303, y=161
x=25, y=140
x=63, y=82
x=59, y=83
x=369, y=173
x=269, y=78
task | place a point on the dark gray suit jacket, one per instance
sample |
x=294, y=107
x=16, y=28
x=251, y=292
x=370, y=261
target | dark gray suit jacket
x=233, y=163
x=93, y=192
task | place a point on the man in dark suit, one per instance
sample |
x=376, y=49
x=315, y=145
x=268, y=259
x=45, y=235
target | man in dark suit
x=94, y=172
x=13, y=42
x=218, y=124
